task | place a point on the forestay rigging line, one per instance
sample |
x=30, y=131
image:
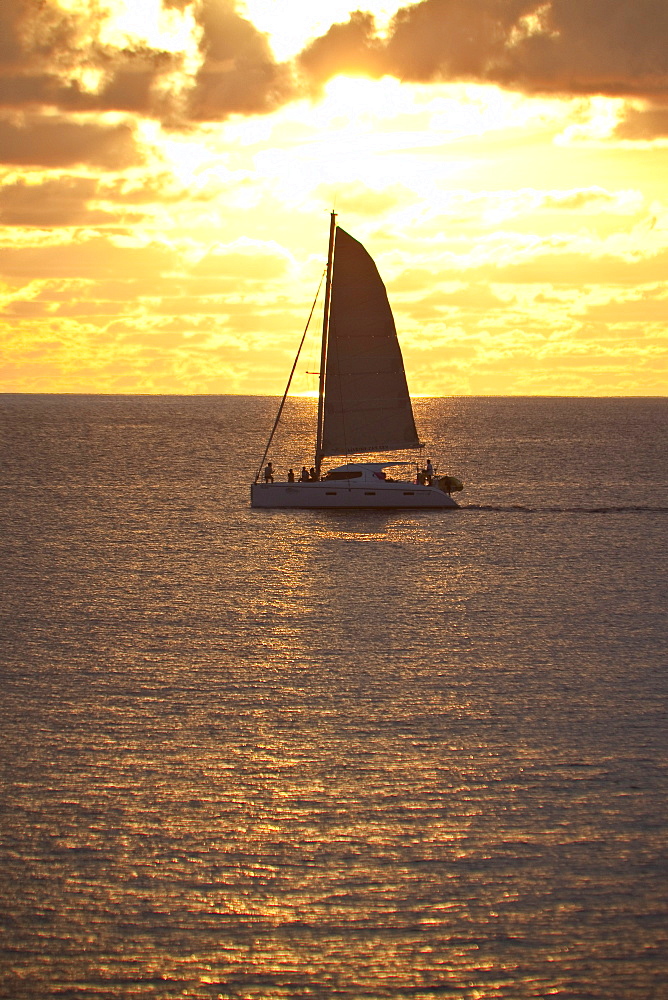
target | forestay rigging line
x=287, y=388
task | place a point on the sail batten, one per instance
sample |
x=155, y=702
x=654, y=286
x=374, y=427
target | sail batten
x=367, y=407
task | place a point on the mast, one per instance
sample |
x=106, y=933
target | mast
x=323, y=352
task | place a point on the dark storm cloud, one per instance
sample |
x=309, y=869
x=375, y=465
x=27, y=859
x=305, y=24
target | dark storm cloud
x=571, y=47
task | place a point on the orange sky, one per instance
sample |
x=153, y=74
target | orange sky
x=166, y=170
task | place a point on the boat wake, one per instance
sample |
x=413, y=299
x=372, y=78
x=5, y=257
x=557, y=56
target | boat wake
x=604, y=509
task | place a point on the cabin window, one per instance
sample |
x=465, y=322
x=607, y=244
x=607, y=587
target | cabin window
x=330, y=493
x=341, y=474
x=369, y=493
x=409, y=493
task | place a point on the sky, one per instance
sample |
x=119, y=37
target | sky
x=167, y=169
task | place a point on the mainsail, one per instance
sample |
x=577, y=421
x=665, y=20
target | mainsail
x=366, y=407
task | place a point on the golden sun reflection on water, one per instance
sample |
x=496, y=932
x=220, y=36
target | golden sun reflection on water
x=321, y=753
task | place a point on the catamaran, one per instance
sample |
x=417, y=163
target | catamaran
x=363, y=401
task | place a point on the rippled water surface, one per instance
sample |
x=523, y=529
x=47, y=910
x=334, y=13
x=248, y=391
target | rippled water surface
x=292, y=754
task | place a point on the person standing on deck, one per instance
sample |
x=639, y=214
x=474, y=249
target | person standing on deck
x=269, y=473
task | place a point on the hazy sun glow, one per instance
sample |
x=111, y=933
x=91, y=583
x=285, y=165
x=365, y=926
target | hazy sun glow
x=164, y=203
x=148, y=22
x=291, y=24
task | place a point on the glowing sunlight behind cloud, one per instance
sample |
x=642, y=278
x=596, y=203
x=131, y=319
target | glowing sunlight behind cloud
x=166, y=169
x=291, y=25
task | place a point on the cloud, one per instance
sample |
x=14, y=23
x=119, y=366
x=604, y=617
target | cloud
x=57, y=142
x=350, y=47
x=62, y=201
x=601, y=47
x=51, y=58
x=66, y=200
x=239, y=74
x=33, y=35
x=360, y=199
x=247, y=261
x=551, y=267
x=648, y=122
x=595, y=198
x=53, y=199
x=646, y=306
x=98, y=257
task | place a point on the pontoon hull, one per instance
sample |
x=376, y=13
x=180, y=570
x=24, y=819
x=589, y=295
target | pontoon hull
x=405, y=496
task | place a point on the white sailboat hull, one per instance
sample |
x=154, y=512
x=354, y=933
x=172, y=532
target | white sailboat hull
x=348, y=494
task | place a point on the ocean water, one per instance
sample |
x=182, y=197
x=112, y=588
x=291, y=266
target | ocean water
x=319, y=754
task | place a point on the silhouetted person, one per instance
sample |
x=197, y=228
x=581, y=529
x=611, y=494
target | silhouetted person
x=291, y=475
x=313, y=475
x=269, y=473
x=304, y=476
